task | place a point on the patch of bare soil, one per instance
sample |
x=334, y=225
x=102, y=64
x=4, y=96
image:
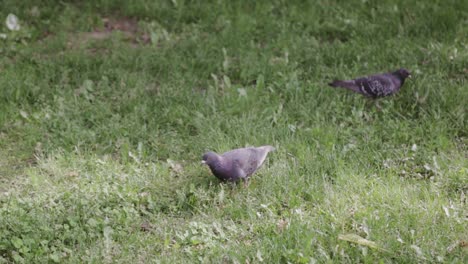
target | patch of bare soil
x=128, y=27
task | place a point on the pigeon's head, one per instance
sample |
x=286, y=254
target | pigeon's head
x=403, y=73
x=210, y=158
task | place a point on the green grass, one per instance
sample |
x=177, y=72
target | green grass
x=101, y=134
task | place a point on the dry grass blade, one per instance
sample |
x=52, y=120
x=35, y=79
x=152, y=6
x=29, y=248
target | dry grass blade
x=353, y=238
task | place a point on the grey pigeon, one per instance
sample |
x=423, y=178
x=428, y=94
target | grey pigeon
x=236, y=164
x=374, y=86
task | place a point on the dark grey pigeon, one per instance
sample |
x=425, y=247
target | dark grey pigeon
x=237, y=164
x=375, y=86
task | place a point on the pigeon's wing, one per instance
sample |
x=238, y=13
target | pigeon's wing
x=376, y=85
x=238, y=170
x=247, y=160
x=242, y=160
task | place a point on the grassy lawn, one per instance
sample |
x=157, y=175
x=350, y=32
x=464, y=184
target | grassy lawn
x=106, y=108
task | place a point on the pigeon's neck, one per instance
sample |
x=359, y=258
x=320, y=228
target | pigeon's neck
x=402, y=80
x=400, y=77
x=218, y=166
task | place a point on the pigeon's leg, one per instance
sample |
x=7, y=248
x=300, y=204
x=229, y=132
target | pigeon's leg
x=241, y=175
x=368, y=103
x=246, y=182
x=377, y=105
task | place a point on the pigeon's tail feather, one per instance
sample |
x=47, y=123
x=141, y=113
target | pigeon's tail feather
x=351, y=85
x=261, y=154
x=337, y=83
x=268, y=148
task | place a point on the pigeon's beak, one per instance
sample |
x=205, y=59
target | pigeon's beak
x=203, y=162
x=410, y=76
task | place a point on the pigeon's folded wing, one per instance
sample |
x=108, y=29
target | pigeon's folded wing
x=376, y=86
x=248, y=159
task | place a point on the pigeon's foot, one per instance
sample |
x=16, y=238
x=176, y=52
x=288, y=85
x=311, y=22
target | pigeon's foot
x=246, y=183
x=377, y=105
